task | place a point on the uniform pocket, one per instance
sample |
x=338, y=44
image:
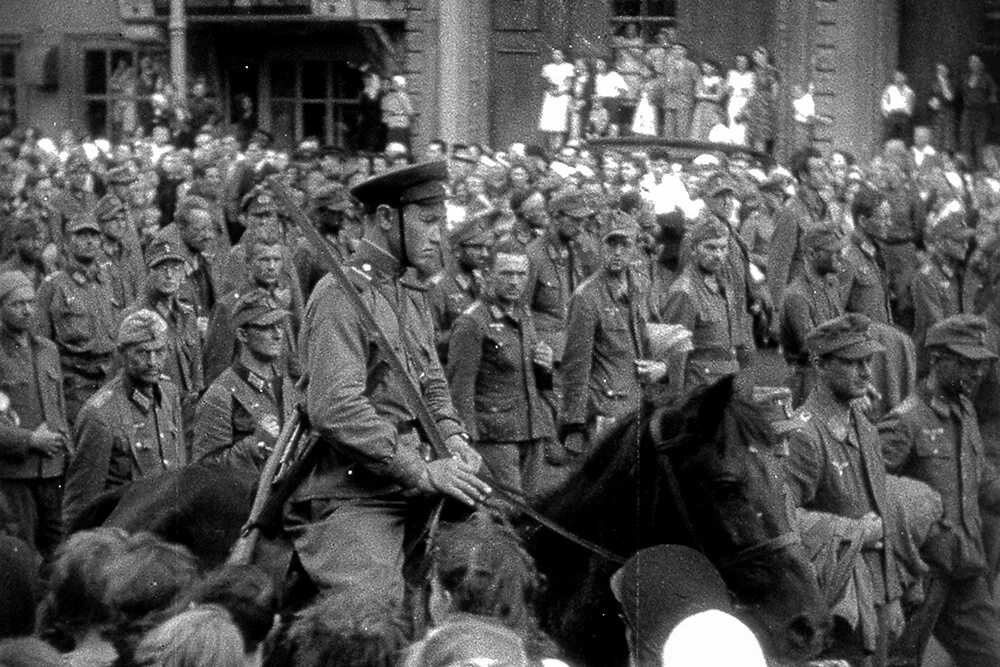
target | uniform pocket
x=74, y=323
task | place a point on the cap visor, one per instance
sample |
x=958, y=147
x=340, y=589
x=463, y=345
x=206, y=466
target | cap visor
x=579, y=213
x=167, y=258
x=270, y=318
x=975, y=352
x=858, y=350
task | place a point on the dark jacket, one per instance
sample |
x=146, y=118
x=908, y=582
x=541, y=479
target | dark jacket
x=809, y=301
x=495, y=385
x=77, y=311
x=121, y=435
x=556, y=271
x=710, y=317
x=45, y=377
x=608, y=334
x=938, y=442
x=844, y=478
x=240, y=415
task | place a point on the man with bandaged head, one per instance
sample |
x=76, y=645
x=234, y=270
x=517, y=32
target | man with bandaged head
x=131, y=428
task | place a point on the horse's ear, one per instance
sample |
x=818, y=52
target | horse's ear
x=713, y=403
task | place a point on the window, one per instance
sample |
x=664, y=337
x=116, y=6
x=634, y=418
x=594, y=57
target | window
x=648, y=16
x=118, y=89
x=8, y=89
x=313, y=98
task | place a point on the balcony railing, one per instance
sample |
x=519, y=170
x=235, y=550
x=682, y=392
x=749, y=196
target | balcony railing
x=335, y=9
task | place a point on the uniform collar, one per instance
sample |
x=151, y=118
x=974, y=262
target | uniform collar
x=256, y=381
x=499, y=313
x=10, y=343
x=370, y=258
x=82, y=275
x=140, y=399
x=941, y=406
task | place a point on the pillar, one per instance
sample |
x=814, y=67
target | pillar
x=178, y=47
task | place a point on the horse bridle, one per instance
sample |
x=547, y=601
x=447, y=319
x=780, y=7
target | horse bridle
x=663, y=446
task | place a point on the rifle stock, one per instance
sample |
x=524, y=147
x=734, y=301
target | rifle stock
x=284, y=450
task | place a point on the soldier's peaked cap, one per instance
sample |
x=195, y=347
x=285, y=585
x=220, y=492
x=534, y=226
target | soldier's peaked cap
x=477, y=228
x=571, y=202
x=419, y=184
x=259, y=308
x=164, y=247
x=83, y=220
x=621, y=224
x=847, y=337
x=965, y=335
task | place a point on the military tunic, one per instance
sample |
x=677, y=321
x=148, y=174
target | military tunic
x=499, y=391
x=863, y=282
x=77, y=310
x=239, y=417
x=31, y=483
x=800, y=214
x=809, y=301
x=938, y=292
x=842, y=477
x=449, y=297
x=122, y=435
x=707, y=309
x=347, y=520
x=938, y=442
x=184, y=356
x=608, y=335
x=556, y=271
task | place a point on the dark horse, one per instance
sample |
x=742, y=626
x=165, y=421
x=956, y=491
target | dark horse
x=703, y=474
x=718, y=447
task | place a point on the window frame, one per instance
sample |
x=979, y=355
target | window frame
x=334, y=103
x=110, y=49
x=13, y=47
x=648, y=23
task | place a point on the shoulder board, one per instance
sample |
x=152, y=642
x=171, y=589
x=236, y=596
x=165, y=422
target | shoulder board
x=472, y=308
x=413, y=285
x=186, y=307
x=358, y=277
x=101, y=398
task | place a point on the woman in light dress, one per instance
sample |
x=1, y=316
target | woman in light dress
x=554, y=119
x=708, y=95
x=739, y=82
x=644, y=120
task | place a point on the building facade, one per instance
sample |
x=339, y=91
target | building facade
x=473, y=65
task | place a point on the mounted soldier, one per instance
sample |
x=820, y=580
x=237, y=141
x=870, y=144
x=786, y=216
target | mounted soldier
x=347, y=521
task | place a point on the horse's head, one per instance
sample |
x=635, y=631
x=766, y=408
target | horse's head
x=719, y=452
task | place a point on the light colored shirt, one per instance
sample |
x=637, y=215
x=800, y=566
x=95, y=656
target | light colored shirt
x=610, y=84
x=897, y=99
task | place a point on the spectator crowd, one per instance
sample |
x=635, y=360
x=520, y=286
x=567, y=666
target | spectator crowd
x=158, y=307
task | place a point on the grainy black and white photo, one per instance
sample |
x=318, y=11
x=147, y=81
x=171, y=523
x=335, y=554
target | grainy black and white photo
x=499, y=333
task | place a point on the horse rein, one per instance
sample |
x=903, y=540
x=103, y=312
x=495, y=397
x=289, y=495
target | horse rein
x=769, y=546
